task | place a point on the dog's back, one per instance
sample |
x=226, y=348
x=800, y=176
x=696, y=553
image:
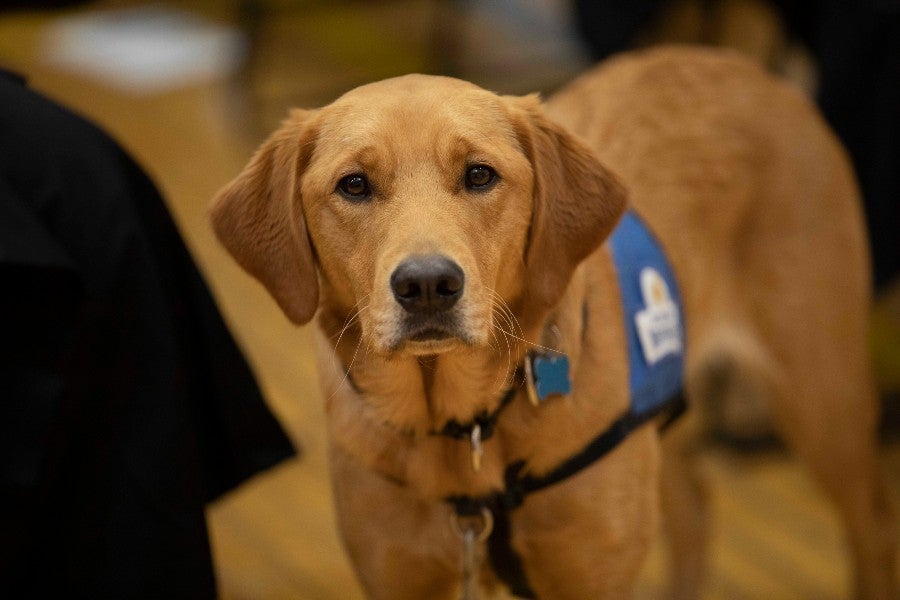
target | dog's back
x=755, y=201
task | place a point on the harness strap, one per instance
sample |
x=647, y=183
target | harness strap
x=518, y=485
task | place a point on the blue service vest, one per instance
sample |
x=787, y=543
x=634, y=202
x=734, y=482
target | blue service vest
x=654, y=319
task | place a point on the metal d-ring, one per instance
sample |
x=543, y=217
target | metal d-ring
x=472, y=530
x=554, y=329
x=481, y=524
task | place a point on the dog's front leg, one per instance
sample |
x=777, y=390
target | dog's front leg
x=400, y=547
x=588, y=536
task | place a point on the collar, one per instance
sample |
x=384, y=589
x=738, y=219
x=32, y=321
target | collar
x=480, y=428
x=483, y=422
x=543, y=373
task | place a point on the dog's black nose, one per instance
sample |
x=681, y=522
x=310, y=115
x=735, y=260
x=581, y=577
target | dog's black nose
x=429, y=283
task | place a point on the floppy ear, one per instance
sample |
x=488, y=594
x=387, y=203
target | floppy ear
x=259, y=219
x=577, y=202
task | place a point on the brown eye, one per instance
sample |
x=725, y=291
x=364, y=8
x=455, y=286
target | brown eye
x=354, y=187
x=479, y=177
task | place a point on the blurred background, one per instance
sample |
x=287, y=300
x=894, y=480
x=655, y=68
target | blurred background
x=191, y=88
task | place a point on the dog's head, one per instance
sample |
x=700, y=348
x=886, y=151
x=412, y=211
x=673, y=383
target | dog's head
x=423, y=204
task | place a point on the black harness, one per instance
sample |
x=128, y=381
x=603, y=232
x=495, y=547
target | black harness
x=654, y=330
x=518, y=483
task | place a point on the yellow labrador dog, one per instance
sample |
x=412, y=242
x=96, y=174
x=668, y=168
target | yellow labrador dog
x=452, y=244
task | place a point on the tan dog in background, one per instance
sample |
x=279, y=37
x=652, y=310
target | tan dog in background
x=439, y=231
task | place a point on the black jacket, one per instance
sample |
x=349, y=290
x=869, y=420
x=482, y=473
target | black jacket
x=125, y=405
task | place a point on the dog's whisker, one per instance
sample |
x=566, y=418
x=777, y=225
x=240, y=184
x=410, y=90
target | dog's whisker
x=347, y=324
x=503, y=314
x=509, y=364
x=529, y=343
x=349, y=320
x=508, y=315
x=346, y=375
x=500, y=307
x=498, y=326
x=497, y=331
x=513, y=323
x=505, y=317
x=494, y=341
x=495, y=346
x=503, y=320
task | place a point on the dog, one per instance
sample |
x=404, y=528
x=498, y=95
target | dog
x=451, y=242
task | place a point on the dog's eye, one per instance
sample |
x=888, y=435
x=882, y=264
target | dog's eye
x=354, y=187
x=479, y=177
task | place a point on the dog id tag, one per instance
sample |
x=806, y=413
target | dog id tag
x=547, y=375
x=477, y=447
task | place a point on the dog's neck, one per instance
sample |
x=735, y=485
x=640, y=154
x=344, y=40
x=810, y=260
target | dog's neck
x=421, y=394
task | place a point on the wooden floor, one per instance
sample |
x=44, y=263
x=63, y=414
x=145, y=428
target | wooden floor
x=775, y=535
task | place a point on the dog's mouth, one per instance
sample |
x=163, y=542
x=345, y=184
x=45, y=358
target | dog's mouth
x=429, y=336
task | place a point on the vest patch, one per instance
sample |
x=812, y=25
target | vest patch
x=659, y=324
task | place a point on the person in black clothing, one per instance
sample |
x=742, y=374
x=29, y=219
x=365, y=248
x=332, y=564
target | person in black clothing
x=125, y=405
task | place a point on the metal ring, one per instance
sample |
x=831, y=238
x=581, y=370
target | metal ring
x=529, y=381
x=554, y=329
x=483, y=529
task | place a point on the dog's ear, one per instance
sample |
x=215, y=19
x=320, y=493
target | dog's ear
x=259, y=219
x=577, y=202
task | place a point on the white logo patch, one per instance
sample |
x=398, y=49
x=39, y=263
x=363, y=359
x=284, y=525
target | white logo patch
x=658, y=325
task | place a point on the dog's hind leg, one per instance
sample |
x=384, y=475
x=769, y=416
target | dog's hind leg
x=685, y=509
x=827, y=413
x=837, y=440
x=824, y=405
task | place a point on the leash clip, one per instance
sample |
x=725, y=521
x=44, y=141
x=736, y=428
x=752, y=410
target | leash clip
x=472, y=530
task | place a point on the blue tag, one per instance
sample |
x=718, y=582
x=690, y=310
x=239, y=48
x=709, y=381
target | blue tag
x=551, y=375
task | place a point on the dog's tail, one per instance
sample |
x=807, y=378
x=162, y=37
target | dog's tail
x=730, y=379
